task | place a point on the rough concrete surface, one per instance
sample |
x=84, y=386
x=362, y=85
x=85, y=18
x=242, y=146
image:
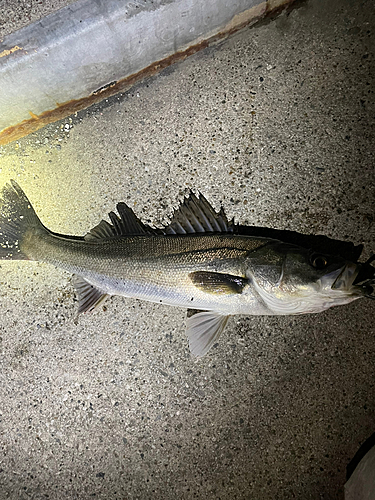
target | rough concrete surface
x=64, y=62
x=276, y=124
x=15, y=14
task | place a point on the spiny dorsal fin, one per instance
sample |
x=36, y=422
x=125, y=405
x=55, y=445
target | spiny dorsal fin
x=196, y=215
x=127, y=224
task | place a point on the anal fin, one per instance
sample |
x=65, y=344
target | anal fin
x=203, y=329
x=89, y=297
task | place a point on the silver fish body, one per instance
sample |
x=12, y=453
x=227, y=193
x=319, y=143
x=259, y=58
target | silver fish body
x=158, y=268
x=196, y=262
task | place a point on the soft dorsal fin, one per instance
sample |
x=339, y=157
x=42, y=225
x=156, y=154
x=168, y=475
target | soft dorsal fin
x=196, y=215
x=127, y=224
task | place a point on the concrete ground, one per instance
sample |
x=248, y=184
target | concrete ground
x=277, y=124
x=15, y=14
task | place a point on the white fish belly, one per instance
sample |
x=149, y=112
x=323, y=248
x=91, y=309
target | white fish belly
x=182, y=294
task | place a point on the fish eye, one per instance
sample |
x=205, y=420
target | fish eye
x=318, y=261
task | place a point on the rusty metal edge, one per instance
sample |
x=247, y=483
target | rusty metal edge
x=65, y=109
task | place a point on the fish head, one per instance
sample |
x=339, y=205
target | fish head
x=295, y=280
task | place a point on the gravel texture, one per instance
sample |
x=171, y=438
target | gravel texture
x=15, y=14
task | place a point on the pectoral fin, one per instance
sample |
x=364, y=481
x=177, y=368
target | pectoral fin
x=203, y=329
x=89, y=296
x=218, y=282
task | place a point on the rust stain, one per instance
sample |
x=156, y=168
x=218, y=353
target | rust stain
x=65, y=109
x=7, y=52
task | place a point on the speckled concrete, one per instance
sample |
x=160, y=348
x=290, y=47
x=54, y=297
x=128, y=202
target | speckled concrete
x=277, y=124
x=15, y=14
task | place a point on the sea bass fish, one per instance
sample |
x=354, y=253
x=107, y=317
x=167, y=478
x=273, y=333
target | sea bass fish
x=200, y=261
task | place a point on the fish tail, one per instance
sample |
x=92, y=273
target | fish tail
x=18, y=220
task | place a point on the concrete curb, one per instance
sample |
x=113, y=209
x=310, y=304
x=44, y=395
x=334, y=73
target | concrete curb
x=93, y=49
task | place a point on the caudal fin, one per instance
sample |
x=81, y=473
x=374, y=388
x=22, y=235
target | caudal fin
x=17, y=219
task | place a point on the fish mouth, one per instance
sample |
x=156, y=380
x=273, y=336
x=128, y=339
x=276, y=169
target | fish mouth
x=357, y=279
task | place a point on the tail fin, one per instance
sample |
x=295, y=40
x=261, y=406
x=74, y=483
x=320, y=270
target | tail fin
x=17, y=218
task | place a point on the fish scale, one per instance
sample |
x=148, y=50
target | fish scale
x=199, y=261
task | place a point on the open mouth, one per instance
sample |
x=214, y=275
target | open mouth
x=346, y=277
x=364, y=278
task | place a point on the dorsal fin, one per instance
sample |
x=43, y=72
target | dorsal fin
x=196, y=215
x=127, y=224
